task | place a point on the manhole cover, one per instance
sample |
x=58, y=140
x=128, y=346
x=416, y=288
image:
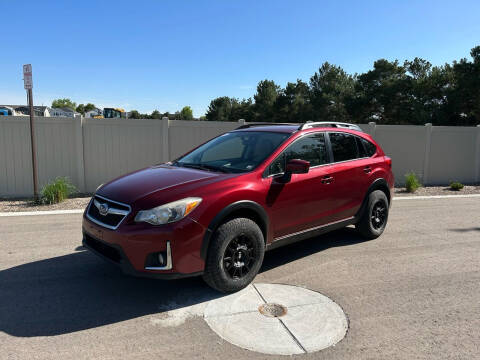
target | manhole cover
x=277, y=319
x=272, y=310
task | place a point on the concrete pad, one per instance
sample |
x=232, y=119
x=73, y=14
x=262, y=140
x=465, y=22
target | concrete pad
x=282, y=294
x=255, y=332
x=312, y=321
x=246, y=300
x=316, y=326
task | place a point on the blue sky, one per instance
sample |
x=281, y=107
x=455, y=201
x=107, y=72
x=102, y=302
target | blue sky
x=163, y=55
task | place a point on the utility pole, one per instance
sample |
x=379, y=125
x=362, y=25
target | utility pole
x=28, y=84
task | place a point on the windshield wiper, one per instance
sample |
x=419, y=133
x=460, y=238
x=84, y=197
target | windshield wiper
x=203, y=167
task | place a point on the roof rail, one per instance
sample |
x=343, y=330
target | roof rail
x=246, y=126
x=336, y=124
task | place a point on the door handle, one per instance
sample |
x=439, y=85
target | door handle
x=327, y=179
x=367, y=169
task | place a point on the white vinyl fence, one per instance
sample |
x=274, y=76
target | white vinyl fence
x=93, y=151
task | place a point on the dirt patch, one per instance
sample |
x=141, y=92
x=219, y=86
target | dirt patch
x=29, y=205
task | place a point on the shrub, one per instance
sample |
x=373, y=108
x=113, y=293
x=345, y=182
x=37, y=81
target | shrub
x=57, y=191
x=411, y=182
x=456, y=186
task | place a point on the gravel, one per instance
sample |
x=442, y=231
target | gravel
x=438, y=190
x=28, y=205
x=9, y=205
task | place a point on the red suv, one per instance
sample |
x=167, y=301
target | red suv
x=215, y=210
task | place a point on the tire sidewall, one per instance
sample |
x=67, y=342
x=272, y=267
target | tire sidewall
x=223, y=236
x=373, y=199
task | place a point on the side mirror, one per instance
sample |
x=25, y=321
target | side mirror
x=297, y=166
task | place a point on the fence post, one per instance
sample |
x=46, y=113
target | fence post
x=426, y=158
x=78, y=126
x=372, y=126
x=477, y=157
x=166, y=139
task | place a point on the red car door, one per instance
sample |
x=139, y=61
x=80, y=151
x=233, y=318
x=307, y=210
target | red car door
x=350, y=172
x=305, y=201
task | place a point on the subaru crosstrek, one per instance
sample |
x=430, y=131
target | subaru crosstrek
x=215, y=210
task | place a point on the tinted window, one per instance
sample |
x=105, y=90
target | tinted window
x=361, y=149
x=311, y=148
x=344, y=146
x=370, y=149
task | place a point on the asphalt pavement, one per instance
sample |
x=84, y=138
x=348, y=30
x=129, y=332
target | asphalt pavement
x=413, y=293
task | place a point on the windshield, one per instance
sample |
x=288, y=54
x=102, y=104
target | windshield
x=234, y=152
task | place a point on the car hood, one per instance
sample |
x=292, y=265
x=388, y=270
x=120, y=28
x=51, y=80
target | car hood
x=149, y=182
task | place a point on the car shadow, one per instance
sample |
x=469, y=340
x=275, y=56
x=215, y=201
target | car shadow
x=292, y=252
x=79, y=291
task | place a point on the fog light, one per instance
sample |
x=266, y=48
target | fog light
x=161, y=259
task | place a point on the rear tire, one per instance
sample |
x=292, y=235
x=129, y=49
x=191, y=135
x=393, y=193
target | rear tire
x=374, y=219
x=234, y=256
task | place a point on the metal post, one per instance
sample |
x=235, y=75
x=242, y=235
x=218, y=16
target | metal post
x=32, y=138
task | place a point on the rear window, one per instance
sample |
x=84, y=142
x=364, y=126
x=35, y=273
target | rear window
x=344, y=146
x=370, y=149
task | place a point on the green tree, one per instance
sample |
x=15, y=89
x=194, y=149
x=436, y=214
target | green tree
x=383, y=94
x=219, y=109
x=134, y=114
x=464, y=94
x=64, y=103
x=293, y=103
x=267, y=93
x=90, y=107
x=186, y=113
x=330, y=89
x=156, y=115
x=82, y=109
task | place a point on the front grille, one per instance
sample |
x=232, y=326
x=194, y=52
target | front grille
x=106, y=250
x=115, y=214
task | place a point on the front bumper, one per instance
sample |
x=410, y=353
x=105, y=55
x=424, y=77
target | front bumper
x=129, y=246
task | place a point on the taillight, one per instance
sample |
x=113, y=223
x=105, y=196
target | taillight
x=388, y=161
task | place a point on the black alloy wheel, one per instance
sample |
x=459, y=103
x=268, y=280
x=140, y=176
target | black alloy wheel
x=379, y=214
x=235, y=255
x=239, y=256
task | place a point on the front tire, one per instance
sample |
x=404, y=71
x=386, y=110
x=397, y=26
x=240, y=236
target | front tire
x=374, y=218
x=234, y=256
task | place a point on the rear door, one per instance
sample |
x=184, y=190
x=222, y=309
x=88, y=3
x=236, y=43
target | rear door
x=350, y=174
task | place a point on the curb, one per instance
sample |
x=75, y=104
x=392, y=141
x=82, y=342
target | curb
x=435, y=197
x=43, y=212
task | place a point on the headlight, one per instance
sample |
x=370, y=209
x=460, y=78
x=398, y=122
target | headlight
x=168, y=213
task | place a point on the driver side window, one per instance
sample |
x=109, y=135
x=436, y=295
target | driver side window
x=311, y=148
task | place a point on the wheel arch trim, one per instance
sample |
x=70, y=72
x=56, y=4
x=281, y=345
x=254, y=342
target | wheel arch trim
x=378, y=184
x=226, y=212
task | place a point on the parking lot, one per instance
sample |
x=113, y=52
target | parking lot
x=412, y=293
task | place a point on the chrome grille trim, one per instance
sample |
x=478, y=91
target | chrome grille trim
x=112, y=211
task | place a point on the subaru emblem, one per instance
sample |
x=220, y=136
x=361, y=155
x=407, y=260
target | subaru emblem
x=103, y=209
